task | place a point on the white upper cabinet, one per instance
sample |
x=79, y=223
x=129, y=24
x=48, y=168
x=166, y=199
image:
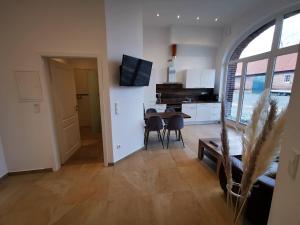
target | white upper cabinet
x=207, y=78
x=200, y=78
x=192, y=78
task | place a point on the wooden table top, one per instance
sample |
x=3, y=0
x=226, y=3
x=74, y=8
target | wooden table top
x=167, y=115
x=207, y=143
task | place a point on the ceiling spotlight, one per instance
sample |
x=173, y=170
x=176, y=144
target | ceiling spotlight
x=198, y=18
x=157, y=14
x=178, y=16
x=216, y=19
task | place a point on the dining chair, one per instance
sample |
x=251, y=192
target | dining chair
x=175, y=123
x=151, y=110
x=154, y=123
x=170, y=109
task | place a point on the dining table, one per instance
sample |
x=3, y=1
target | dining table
x=166, y=115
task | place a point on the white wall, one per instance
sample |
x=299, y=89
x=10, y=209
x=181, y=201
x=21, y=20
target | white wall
x=196, y=35
x=30, y=29
x=286, y=197
x=194, y=57
x=3, y=167
x=124, y=22
x=156, y=49
x=196, y=49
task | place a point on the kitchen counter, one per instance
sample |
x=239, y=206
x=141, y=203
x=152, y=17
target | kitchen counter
x=186, y=102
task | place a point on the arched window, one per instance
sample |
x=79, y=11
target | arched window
x=265, y=59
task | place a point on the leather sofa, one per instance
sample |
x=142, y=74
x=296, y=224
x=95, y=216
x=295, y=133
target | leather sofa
x=259, y=203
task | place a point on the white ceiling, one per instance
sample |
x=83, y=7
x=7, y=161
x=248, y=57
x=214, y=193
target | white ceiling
x=207, y=10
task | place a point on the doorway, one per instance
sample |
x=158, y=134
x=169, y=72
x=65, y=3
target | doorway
x=76, y=101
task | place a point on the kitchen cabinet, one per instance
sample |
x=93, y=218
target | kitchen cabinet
x=202, y=112
x=190, y=109
x=160, y=107
x=200, y=78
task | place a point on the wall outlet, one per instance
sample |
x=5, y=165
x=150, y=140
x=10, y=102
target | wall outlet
x=36, y=108
x=118, y=146
x=294, y=163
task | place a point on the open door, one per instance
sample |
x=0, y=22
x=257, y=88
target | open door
x=66, y=109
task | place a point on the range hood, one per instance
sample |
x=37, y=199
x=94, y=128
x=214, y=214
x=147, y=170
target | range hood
x=171, y=78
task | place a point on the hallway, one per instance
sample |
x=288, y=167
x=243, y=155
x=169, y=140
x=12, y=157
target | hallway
x=91, y=150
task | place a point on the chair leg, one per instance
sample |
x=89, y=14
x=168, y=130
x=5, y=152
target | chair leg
x=162, y=142
x=158, y=137
x=180, y=136
x=168, y=138
x=164, y=133
x=147, y=138
x=176, y=134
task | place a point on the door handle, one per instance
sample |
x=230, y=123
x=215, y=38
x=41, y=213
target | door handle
x=76, y=108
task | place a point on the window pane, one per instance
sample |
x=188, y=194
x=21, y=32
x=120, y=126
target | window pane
x=232, y=90
x=290, y=34
x=283, y=76
x=262, y=43
x=253, y=87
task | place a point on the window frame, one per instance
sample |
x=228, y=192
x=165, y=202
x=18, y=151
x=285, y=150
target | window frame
x=287, y=78
x=270, y=56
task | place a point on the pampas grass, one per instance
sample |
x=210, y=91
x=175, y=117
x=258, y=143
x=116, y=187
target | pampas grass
x=260, y=142
x=248, y=179
x=270, y=148
x=225, y=147
x=254, y=127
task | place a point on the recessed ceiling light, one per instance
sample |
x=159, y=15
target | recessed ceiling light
x=157, y=14
x=198, y=18
x=216, y=19
x=178, y=16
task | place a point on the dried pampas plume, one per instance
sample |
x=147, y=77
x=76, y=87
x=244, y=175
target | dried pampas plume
x=225, y=147
x=260, y=140
x=248, y=175
x=254, y=127
x=269, y=148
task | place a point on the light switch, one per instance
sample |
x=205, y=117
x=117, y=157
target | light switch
x=294, y=163
x=36, y=108
x=117, y=108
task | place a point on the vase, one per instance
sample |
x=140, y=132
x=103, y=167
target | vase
x=236, y=202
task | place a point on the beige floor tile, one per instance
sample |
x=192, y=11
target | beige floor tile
x=154, y=186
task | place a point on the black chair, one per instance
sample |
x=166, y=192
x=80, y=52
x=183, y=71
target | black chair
x=154, y=123
x=175, y=123
x=170, y=109
x=151, y=110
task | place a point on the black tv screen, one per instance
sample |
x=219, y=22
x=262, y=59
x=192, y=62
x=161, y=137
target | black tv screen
x=134, y=71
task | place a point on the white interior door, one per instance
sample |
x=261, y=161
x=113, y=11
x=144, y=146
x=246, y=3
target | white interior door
x=83, y=100
x=66, y=109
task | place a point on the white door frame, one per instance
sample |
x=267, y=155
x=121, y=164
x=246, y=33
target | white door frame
x=103, y=83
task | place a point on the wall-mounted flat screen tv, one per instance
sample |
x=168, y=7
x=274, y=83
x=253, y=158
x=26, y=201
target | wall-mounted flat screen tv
x=134, y=71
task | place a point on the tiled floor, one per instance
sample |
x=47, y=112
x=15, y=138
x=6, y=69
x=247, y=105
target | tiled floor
x=165, y=187
x=91, y=150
